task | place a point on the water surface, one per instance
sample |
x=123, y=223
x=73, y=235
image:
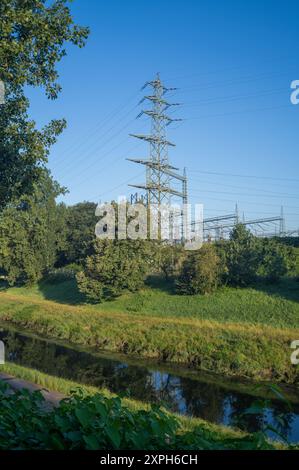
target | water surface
x=188, y=392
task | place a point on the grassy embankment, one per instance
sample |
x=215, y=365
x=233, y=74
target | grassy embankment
x=240, y=332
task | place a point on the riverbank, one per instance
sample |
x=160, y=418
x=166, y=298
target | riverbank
x=254, y=351
x=214, y=436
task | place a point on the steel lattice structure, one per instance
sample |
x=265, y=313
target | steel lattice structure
x=159, y=172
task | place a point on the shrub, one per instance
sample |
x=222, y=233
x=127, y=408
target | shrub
x=200, y=272
x=277, y=260
x=115, y=266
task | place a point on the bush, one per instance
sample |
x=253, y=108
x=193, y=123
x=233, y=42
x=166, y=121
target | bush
x=277, y=260
x=200, y=272
x=115, y=266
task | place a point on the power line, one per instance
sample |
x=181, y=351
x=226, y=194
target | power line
x=244, y=176
x=234, y=201
x=94, y=149
x=240, y=112
x=94, y=153
x=100, y=124
x=238, y=80
x=241, y=187
x=252, y=212
x=247, y=195
x=120, y=185
x=112, y=162
x=229, y=98
x=228, y=69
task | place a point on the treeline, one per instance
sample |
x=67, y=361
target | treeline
x=116, y=266
x=38, y=235
x=43, y=240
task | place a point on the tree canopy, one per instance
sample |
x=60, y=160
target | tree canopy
x=33, y=39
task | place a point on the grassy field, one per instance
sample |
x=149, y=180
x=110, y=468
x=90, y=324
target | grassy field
x=236, y=332
x=265, y=304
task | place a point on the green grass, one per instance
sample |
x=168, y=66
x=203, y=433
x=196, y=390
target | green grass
x=265, y=304
x=235, y=332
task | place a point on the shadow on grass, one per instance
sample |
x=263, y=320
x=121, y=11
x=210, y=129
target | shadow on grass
x=160, y=283
x=3, y=285
x=65, y=292
x=287, y=288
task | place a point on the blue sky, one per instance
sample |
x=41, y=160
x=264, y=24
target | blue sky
x=233, y=62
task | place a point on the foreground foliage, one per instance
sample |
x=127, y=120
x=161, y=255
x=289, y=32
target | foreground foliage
x=92, y=422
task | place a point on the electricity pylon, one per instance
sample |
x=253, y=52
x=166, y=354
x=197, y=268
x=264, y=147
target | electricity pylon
x=159, y=172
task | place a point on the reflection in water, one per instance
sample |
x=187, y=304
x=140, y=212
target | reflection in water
x=193, y=397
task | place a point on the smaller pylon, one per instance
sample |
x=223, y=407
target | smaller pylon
x=237, y=214
x=282, y=223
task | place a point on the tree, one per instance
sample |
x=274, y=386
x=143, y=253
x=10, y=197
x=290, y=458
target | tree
x=242, y=256
x=115, y=266
x=200, y=271
x=277, y=260
x=80, y=233
x=33, y=36
x=31, y=234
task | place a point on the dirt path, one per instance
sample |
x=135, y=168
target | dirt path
x=53, y=398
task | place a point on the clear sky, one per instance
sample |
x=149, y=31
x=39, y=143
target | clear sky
x=233, y=62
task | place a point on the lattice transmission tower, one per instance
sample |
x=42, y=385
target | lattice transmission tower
x=159, y=173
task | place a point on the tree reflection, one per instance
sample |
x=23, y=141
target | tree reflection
x=180, y=394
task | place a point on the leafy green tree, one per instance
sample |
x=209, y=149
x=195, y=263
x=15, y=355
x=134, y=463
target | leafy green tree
x=31, y=233
x=242, y=256
x=33, y=36
x=80, y=233
x=200, y=271
x=277, y=260
x=115, y=266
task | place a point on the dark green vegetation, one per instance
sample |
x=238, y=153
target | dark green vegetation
x=200, y=272
x=85, y=421
x=30, y=234
x=114, y=267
